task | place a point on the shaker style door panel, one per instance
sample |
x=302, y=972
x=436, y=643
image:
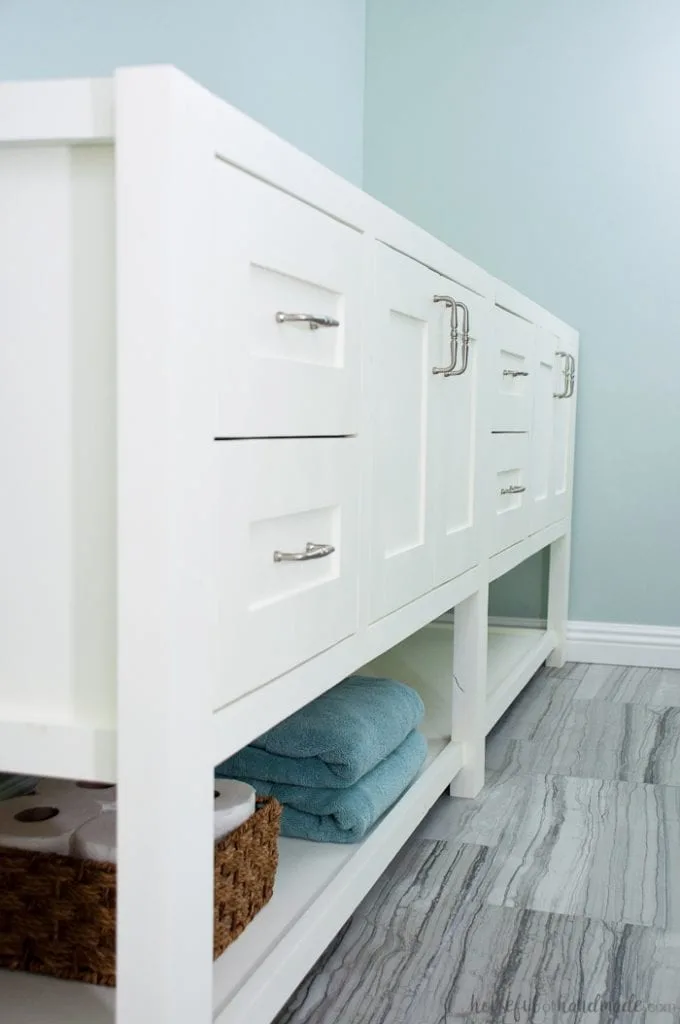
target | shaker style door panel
x=512, y=391
x=455, y=436
x=552, y=429
x=545, y=383
x=290, y=540
x=402, y=354
x=564, y=410
x=288, y=304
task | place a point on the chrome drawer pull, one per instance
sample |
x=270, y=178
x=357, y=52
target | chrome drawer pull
x=456, y=371
x=314, y=322
x=515, y=373
x=311, y=551
x=513, y=489
x=571, y=377
x=453, y=336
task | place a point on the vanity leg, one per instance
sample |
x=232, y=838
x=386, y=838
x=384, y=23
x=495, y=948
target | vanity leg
x=558, y=598
x=168, y=582
x=469, y=690
x=165, y=876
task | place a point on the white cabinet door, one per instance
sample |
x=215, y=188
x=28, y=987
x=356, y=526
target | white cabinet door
x=552, y=429
x=456, y=432
x=403, y=351
x=544, y=373
x=425, y=521
x=514, y=353
x=564, y=418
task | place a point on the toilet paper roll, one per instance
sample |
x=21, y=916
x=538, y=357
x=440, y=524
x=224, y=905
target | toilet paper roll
x=234, y=804
x=96, y=839
x=38, y=823
x=103, y=793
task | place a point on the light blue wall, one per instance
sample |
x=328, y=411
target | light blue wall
x=295, y=65
x=542, y=139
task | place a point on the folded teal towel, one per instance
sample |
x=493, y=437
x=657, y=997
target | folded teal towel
x=334, y=740
x=346, y=815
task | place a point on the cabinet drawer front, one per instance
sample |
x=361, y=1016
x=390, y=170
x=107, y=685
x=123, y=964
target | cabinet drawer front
x=511, y=491
x=286, y=595
x=276, y=255
x=513, y=383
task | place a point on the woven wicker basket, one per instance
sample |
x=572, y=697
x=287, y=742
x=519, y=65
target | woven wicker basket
x=58, y=914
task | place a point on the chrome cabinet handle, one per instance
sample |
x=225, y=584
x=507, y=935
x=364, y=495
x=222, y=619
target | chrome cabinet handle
x=515, y=373
x=455, y=370
x=571, y=376
x=453, y=306
x=311, y=551
x=565, y=373
x=513, y=489
x=314, y=322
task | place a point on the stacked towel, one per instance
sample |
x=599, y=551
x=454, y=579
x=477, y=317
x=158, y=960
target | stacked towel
x=340, y=762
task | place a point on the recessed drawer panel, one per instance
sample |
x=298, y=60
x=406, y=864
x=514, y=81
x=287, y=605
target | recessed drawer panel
x=288, y=296
x=512, y=400
x=290, y=539
x=511, y=492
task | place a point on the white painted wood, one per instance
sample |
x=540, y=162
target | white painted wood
x=514, y=341
x=68, y=110
x=277, y=254
x=558, y=597
x=424, y=661
x=242, y=721
x=32, y=999
x=319, y=887
x=243, y=142
x=57, y=436
x=59, y=749
x=281, y=495
x=458, y=424
x=613, y=643
x=407, y=344
x=511, y=512
x=425, y=491
x=217, y=224
x=515, y=655
x=167, y=507
x=610, y=643
x=523, y=622
x=564, y=422
x=506, y=560
x=547, y=381
x=515, y=302
x=469, y=690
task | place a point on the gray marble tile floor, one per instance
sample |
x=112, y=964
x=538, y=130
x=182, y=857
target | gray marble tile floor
x=552, y=897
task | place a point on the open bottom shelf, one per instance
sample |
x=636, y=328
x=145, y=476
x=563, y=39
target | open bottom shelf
x=514, y=655
x=425, y=662
x=317, y=887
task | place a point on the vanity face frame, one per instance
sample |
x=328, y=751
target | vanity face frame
x=268, y=438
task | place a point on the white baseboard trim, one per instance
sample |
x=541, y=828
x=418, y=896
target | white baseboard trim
x=611, y=643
